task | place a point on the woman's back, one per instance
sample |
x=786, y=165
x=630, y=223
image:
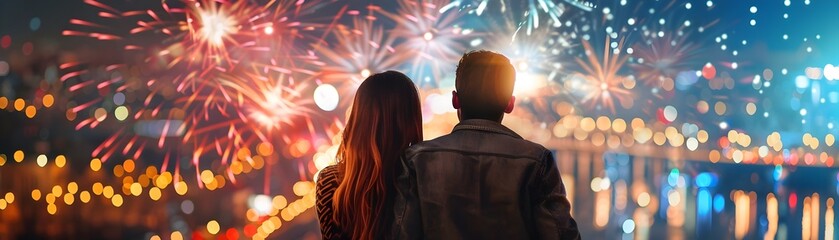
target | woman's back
x=354, y=196
x=328, y=180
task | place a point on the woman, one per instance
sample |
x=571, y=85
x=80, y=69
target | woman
x=354, y=196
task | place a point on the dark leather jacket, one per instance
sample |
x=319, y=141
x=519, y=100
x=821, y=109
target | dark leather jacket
x=482, y=181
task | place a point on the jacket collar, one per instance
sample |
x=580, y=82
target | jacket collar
x=485, y=126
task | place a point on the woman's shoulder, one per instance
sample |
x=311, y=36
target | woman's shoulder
x=328, y=176
x=331, y=169
x=327, y=183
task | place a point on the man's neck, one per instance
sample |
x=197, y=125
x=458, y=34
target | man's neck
x=460, y=118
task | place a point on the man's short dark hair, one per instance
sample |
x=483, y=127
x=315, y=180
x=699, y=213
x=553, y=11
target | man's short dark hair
x=484, y=82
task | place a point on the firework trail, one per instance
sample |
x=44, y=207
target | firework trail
x=529, y=14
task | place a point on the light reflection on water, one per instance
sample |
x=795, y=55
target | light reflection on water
x=615, y=195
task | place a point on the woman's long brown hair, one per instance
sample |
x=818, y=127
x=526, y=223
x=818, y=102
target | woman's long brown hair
x=385, y=119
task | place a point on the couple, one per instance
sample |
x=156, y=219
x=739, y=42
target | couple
x=482, y=181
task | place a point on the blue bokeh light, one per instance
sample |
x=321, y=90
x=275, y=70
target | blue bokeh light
x=706, y=179
x=35, y=24
x=719, y=203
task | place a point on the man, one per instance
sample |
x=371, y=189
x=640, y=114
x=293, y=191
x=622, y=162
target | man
x=482, y=181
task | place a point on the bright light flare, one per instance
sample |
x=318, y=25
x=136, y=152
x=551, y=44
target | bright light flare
x=428, y=36
x=326, y=97
x=261, y=204
x=528, y=83
x=216, y=26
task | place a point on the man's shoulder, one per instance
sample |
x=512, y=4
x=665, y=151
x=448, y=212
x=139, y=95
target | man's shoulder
x=452, y=142
x=428, y=145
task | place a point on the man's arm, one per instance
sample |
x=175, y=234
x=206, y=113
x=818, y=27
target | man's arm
x=552, y=211
x=407, y=222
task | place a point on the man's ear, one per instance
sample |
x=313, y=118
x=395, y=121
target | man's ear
x=510, y=105
x=455, y=100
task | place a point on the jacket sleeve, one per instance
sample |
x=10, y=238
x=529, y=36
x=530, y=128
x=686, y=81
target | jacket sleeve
x=552, y=211
x=407, y=222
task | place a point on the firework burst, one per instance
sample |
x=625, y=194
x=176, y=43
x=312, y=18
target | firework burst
x=432, y=34
x=214, y=27
x=668, y=44
x=660, y=59
x=537, y=59
x=535, y=56
x=207, y=37
x=219, y=79
x=539, y=62
x=271, y=102
x=359, y=51
x=605, y=84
